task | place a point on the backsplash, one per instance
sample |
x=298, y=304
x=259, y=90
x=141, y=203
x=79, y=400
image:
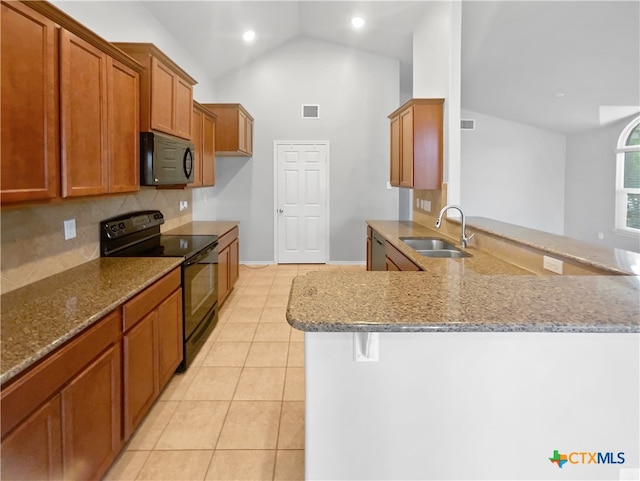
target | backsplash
x=437, y=199
x=33, y=247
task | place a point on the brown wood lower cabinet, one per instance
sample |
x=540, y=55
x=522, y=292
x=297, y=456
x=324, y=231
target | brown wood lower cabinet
x=152, y=346
x=228, y=263
x=369, y=251
x=34, y=449
x=397, y=261
x=64, y=417
x=91, y=413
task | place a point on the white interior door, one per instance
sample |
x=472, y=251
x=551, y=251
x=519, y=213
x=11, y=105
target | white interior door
x=301, y=202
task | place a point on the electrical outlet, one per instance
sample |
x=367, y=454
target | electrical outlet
x=69, y=229
x=183, y=205
x=600, y=235
x=389, y=186
x=551, y=264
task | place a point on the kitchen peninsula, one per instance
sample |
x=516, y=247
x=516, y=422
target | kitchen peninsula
x=471, y=369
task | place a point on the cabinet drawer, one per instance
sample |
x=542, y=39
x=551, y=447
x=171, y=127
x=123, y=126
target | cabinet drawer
x=30, y=390
x=226, y=239
x=139, y=306
x=399, y=259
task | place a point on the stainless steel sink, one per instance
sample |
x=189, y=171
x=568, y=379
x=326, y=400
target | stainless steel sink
x=433, y=247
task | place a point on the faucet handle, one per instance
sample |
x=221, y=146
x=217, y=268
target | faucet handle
x=464, y=239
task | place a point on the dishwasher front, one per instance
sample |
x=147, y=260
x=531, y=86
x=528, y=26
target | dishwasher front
x=378, y=256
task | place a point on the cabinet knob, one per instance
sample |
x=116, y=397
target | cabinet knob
x=280, y=211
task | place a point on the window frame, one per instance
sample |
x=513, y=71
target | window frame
x=622, y=192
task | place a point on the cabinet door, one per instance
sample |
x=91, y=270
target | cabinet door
x=29, y=141
x=208, y=151
x=242, y=131
x=91, y=410
x=249, y=136
x=34, y=449
x=183, y=108
x=390, y=266
x=163, y=93
x=234, y=264
x=406, y=149
x=394, y=176
x=124, y=128
x=83, y=105
x=140, y=371
x=399, y=260
x=223, y=275
x=170, y=340
x=196, y=138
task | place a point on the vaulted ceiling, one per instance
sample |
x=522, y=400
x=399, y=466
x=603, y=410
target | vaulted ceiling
x=565, y=66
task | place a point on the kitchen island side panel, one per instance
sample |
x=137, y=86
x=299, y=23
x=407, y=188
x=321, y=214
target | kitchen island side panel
x=472, y=406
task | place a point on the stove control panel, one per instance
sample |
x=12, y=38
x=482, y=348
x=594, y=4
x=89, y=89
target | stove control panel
x=131, y=223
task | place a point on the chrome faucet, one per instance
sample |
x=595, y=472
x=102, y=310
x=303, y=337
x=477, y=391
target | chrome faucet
x=463, y=235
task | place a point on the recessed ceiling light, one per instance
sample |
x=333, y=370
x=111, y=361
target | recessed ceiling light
x=357, y=22
x=559, y=95
x=249, y=35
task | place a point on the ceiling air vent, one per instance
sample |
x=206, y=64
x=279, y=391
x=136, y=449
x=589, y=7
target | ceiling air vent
x=467, y=124
x=310, y=111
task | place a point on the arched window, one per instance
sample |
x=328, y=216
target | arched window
x=628, y=179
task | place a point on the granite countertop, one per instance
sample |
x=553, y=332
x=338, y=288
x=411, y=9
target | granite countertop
x=615, y=260
x=219, y=228
x=38, y=318
x=475, y=294
x=479, y=262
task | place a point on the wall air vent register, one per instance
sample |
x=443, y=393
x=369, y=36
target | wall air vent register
x=467, y=124
x=310, y=111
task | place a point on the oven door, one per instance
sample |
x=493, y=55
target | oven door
x=200, y=287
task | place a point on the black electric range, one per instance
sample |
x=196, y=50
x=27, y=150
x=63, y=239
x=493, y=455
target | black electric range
x=137, y=234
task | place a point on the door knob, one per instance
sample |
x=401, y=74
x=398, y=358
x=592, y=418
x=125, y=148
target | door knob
x=280, y=211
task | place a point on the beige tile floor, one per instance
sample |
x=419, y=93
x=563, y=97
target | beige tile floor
x=238, y=411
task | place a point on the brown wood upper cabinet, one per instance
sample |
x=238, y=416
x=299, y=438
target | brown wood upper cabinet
x=69, y=108
x=166, y=91
x=29, y=150
x=416, y=144
x=234, y=130
x=203, y=137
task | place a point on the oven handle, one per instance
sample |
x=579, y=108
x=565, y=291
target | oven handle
x=201, y=255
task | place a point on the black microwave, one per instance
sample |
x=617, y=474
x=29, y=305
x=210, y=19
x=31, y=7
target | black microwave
x=165, y=160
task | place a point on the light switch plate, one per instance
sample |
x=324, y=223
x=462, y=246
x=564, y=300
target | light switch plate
x=69, y=229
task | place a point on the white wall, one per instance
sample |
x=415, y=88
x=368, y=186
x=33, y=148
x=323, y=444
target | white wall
x=130, y=21
x=437, y=54
x=356, y=91
x=471, y=405
x=513, y=173
x=590, y=187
